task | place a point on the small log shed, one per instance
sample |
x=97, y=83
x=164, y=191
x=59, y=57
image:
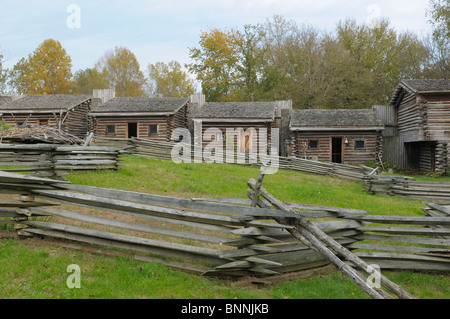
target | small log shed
x=68, y=113
x=150, y=118
x=419, y=113
x=245, y=119
x=347, y=136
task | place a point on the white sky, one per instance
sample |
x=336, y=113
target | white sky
x=156, y=30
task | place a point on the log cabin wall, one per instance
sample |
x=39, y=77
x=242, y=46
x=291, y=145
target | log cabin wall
x=318, y=145
x=33, y=119
x=77, y=122
x=120, y=124
x=436, y=120
x=409, y=118
x=423, y=117
x=254, y=141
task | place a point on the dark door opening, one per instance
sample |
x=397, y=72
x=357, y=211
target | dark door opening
x=132, y=130
x=336, y=149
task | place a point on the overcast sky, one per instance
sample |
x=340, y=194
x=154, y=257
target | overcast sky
x=156, y=30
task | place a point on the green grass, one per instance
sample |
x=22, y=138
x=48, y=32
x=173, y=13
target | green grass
x=225, y=180
x=32, y=269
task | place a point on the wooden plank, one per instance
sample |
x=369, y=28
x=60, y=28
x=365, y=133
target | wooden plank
x=125, y=245
x=405, y=239
x=420, y=231
x=18, y=203
x=126, y=206
x=160, y=246
x=407, y=249
x=134, y=226
x=401, y=256
x=169, y=201
x=410, y=220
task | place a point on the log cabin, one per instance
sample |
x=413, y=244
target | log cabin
x=242, y=127
x=347, y=136
x=68, y=113
x=149, y=118
x=419, y=113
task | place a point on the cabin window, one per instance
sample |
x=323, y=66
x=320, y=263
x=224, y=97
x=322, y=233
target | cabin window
x=42, y=122
x=313, y=144
x=360, y=144
x=111, y=129
x=153, y=129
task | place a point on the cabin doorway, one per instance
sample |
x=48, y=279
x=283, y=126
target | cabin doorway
x=245, y=141
x=132, y=130
x=336, y=149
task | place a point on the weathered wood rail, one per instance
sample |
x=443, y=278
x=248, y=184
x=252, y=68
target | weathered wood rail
x=402, y=186
x=51, y=160
x=163, y=150
x=217, y=237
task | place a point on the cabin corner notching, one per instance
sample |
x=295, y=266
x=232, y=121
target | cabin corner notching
x=419, y=114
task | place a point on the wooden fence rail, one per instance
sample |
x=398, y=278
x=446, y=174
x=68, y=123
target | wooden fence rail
x=163, y=150
x=48, y=160
x=408, y=187
x=217, y=237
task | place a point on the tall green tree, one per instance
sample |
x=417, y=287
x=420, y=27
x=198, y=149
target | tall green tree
x=85, y=81
x=215, y=63
x=46, y=71
x=121, y=70
x=388, y=55
x=169, y=80
x=439, y=44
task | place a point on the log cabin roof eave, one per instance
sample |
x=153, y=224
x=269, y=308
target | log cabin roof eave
x=334, y=129
x=11, y=108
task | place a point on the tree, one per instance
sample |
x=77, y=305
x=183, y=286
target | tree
x=215, y=64
x=122, y=72
x=388, y=56
x=169, y=80
x=85, y=81
x=46, y=71
x=3, y=76
x=439, y=44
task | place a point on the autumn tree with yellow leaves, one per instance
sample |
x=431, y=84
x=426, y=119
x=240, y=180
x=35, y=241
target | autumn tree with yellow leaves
x=121, y=70
x=46, y=71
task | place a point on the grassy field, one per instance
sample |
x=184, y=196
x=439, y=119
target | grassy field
x=34, y=269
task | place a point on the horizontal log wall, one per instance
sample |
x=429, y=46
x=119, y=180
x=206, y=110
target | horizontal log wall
x=350, y=155
x=143, y=127
x=76, y=121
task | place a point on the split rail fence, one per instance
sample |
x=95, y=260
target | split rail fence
x=163, y=150
x=375, y=184
x=218, y=237
x=408, y=187
x=51, y=160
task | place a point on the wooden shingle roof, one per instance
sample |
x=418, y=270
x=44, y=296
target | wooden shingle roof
x=220, y=111
x=44, y=103
x=332, y=119
x=422, y=86
x=138, y=105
